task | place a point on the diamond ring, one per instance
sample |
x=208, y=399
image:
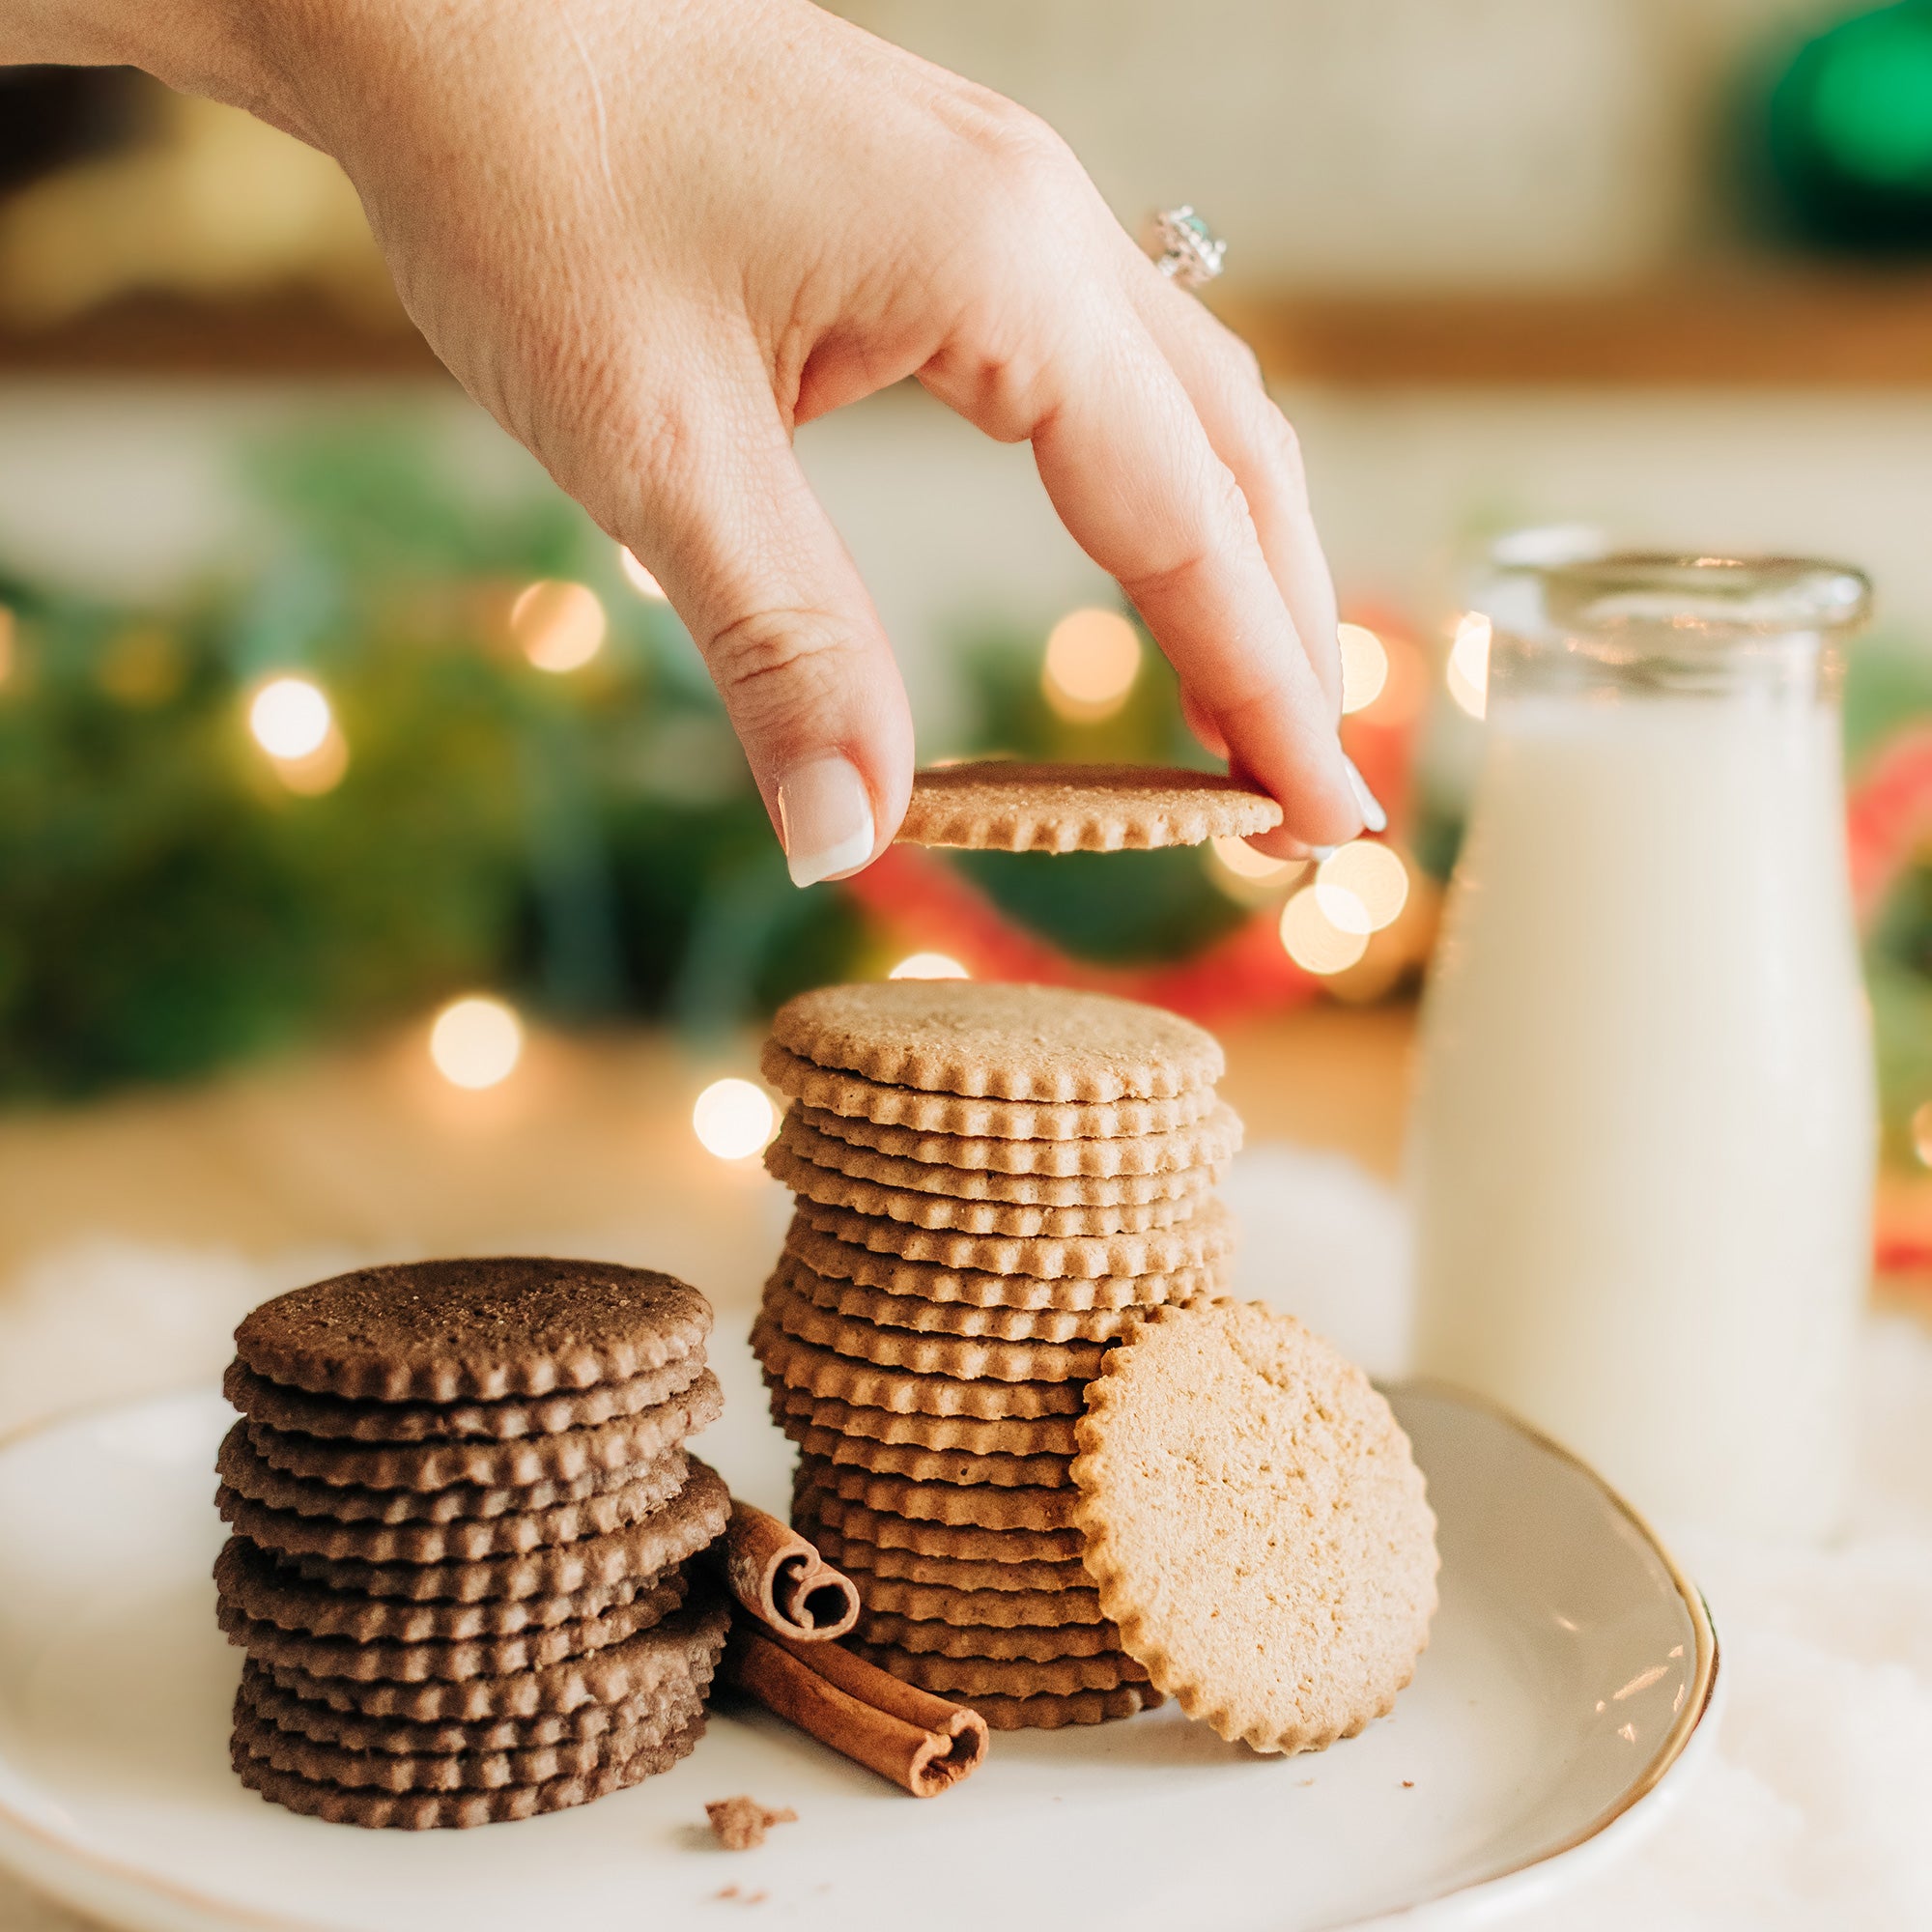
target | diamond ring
x=1191, y=252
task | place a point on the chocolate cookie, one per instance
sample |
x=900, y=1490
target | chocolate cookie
x=478, y=1331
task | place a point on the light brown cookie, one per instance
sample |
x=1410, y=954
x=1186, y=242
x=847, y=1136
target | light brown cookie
x=979, y=1506
x=666, y=1653
x=691, y=1520
x=426, y=1811
x=798, y=1410
x=965, y=1359
x=1214, y=1138
x=961, y=1467
x=840, y=1093
x=941, y=1602
x=1196, y=1242
x=243, y=1469
x=1022, y=1640
x=805, y=1143
x=250, y=1584
x=1001, y=1676
x=460, y=1771
x=473, y=1330
x=1285, y=1598
x=825, y=1509
x=950, y=1317
x=350, y=1731
x=453, y=1662
x=289, y=1534
x=831, y=1188
x=615, y=1444
x=991, y=1040
x=893, y=1274
x=804, y=1365
x=338, y=1418
x=869, y=1561
x=1058, y=1714
x=997, y=806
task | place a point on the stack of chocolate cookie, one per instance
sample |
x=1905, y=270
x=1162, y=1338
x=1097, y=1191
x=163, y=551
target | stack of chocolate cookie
x=991, y=1180
x=461, y=1514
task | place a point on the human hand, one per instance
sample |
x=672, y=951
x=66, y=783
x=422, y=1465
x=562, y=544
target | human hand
x=653, y=239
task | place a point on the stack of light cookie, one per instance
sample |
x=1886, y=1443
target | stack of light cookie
x=991, y=1181
x=462, y=1512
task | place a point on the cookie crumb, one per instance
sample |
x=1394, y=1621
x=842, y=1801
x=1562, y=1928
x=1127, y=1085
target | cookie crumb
x=741, y=1823
x=726, y=1891
x=1408, y=1784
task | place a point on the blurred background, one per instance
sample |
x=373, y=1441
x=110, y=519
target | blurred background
x=377, y=875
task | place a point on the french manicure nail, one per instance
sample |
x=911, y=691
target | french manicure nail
x=1372, y=815
x=825, y=816
x=1320, y=853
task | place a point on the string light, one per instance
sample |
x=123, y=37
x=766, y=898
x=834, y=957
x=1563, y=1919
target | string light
x=290, y=718
x=1092, y=658
x=558, y=625
x=928, y=966
x=1364, y=666
x=733, y=1118
x=1468, y=668
x=1921, y=1134
x=1247, y=876
x=1314, y=942
x=321, y=771
x=1363, y=888
x=476, y=1041
x=637, y=577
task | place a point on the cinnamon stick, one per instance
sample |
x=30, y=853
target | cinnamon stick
x=783, y=1581
x=922, y=1742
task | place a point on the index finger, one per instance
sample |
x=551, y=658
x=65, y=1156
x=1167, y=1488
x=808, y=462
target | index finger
x=1137, y=482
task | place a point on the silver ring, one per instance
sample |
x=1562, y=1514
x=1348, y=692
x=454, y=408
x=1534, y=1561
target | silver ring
x=1191, y=252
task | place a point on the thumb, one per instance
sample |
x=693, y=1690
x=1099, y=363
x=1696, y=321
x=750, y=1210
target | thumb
x=752, y=563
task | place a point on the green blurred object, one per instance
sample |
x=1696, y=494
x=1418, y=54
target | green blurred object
x=169, y=905
x=1849, y=132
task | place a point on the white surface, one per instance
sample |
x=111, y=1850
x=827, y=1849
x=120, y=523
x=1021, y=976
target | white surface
x=1811, y=1815
x=1643, y=1137
x=1548, y=1700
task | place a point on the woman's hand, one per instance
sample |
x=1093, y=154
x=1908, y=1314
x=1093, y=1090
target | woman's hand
x=652, y=237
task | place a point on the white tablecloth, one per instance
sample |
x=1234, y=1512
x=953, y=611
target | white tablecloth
x=1816, y=1811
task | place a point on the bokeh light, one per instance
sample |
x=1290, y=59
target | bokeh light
x=321, y=771
x=559, y=626
x=928, y=966
x=637, y=577
x=290, y=718
x=733, y=1118
x=1093, y=657
x=1364, y=666
x=1313, y=940
x=1247, y=875
x=476, y=1041
x=1363, y=888
x=1921, y=1133
x=1468, y=668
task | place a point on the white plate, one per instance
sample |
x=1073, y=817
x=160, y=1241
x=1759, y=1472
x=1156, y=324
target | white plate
x=1571, y=1672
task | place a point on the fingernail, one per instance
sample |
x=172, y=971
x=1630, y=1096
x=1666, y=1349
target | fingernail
x=1319, y=853
x=825, y=814
x=1372, y=815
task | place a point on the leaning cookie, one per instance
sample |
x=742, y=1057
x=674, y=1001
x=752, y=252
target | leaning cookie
x=1285, y=1597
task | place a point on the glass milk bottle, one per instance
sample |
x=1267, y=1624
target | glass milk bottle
x=1643, y=1151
